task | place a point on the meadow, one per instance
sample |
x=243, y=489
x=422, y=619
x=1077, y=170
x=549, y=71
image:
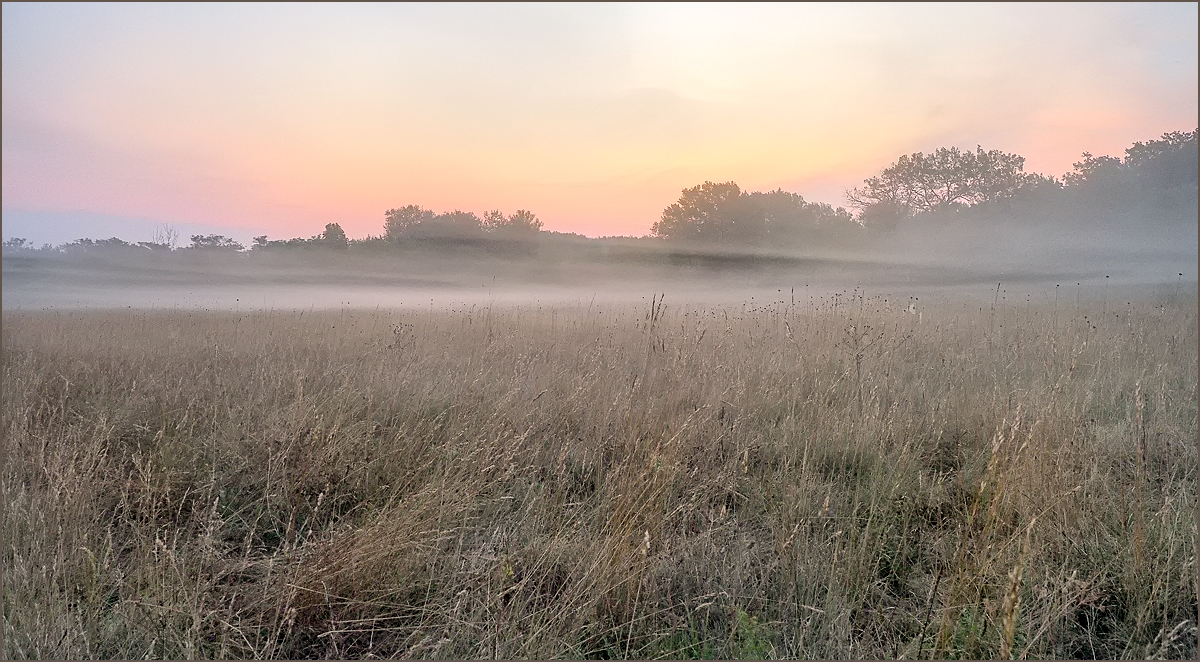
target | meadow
x=825, y=478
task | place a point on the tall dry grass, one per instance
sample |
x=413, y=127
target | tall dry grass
x=826, y=479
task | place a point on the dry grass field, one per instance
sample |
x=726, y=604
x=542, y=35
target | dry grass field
x=834, y=479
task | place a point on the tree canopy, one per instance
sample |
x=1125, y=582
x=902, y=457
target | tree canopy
x=334, y=236
x=215, y=242
x=943, y=179
x=723, y=213
x=398, y=222
x=708, y=211
x=1156, y=179
x=521, y=222
x=451, y=225
x=415, y=222
x=1168, y=163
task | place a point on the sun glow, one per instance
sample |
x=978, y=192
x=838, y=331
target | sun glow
x=287, y=117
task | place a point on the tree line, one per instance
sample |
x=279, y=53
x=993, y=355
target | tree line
x=410, y=225
x=948, y=182
x=945, y=182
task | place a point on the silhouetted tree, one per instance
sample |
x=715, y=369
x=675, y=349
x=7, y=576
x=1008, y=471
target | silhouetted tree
x=92, y=245
x=882, y=217
x=947, y=178
x=399, y=222
x=334, y=236
x=214, y=242
x=165, y=235
x=417, y=222
x=1167, y=163
x=1093, y=169
x=16, y=244
x=790, y=220
x=723, y=213
x=494, y=220
x=710, y=212
x=451, y=225
x=521, y=223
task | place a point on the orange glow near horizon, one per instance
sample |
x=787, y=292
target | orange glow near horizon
x=282, y=118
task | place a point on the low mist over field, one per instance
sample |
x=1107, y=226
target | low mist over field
x=948, y=222
x=579, y=269
x=237, y=285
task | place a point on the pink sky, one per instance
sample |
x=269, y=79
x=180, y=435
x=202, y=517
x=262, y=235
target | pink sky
x=281, y=118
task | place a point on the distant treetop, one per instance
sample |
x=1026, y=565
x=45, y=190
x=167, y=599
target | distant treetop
x=723, y=213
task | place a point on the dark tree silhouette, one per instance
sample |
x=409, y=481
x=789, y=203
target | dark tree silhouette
x=1168, y=163
x=214, y=242
x=1093, y=169
x=790, y=220
x=399, y=222
x=723, y=213
x=946, y=178
x=521, y=223
x=710, y=212
x=451, y=225
x=334, y=236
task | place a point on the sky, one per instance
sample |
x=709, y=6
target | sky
x=276, y=119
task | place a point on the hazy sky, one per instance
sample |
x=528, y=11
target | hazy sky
x=280, y=118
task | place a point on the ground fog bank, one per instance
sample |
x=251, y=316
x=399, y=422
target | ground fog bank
x=322, y=281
